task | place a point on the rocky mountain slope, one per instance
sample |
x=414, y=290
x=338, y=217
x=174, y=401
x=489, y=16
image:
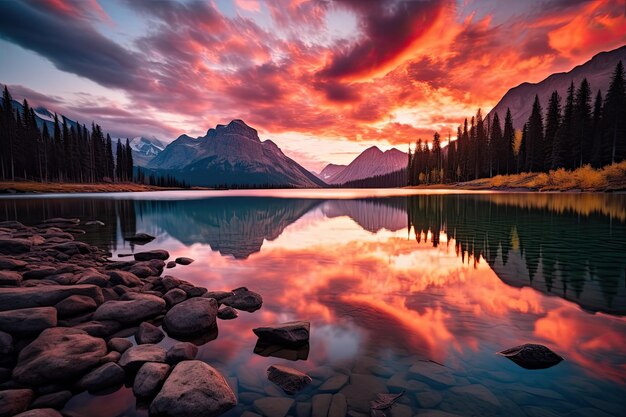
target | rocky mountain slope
x=370, y=163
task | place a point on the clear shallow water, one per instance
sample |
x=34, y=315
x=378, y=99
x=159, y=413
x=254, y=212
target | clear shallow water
x=389, y=281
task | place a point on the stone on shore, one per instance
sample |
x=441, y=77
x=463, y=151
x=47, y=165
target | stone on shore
x=91, y=276
x=204, y=389
x=243, y=299
x=119, y=344
x=124, y=278
x=28, y=320
x=13, y=246
x=131, y=311
x=97, y=328
x=182, y=351
x=148, y=333
x=532, y=356
x=75, y=305
x=45, y=296
x=14, y=401
x=152, y=254
x=106, y=376
x=6, y=343
x=10, y=278
x=40, y=412
x=227, y=313
x=56, y=400
x=59, y=354
x=138, y=355
x=293, y=333
x=10, y=264
x=174, y=296
x=191, y=317
x=217, y=295
x=183, y=260
x=149, y=379
x=289, y=379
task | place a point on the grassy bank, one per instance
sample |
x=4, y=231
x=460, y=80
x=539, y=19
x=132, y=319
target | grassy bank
x=39, y=187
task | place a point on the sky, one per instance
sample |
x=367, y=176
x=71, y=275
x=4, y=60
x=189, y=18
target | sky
x=323, y=79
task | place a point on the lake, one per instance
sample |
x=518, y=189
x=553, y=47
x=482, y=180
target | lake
x=390, y=279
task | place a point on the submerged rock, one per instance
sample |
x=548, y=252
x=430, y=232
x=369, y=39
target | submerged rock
x=532, y=356
x=243, y=299
x=273, y=406
x=290, y=334
x=289, y=379
x=108, y=375
x=205, y=391
x=227, y=313
x=191, y=317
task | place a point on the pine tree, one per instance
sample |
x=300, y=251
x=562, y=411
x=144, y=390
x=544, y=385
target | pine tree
x=120, y=164
x=498, y=148
x=553, y=121
x=534, y=139
x=521, y=155
x=110, y=166
x=598, y=134
x=581, y=141
x=58, y=144
x=562, y=141
x=436, y=154
x=508, y=140
x=129, y=161
x=614, y=119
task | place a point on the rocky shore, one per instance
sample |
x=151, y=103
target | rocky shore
x=67, y=312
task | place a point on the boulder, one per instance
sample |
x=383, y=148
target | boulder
x=97, y=328
x=119, y=344
x=191, y=317
x=148, y=333
x=243, y=299
x=108, y=375
x=293, y=333
x=174, y=296
x=227, y=313
x=91, y=276
x=59, y=354
x=204, y=389
x=39, y=272
x=10, y=278
x=40, y=412
x=12, y=246
x=55, y=400
x=169, y=282
x=14, y=401
x=6, y=343
x=532, y=356
x=138, y=355
x=217, y=295
x=126, y=278
x=10, y=264
x=182, y=351
x=43, y=296
x=289, y=379
x=75, y=305
x=149, y=379
x=184, y=261
x=28, y=320
x=131, y=311
x=192, y=290
x=152, y=254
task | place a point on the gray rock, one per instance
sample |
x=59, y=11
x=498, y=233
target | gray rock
x=108, y=375
x=28, y=320
x=148, y=333
x=138, y=355
x=338, y=406
x=131, y=311
x=14, y=401
x=174, y=296
x=97, y=328
x=10, y=246
x=75, y=305
x=334, y=383
x=532, y=356
x=10, y=264
x=10, y=278
x=191, y=317
x=59, y=354
x=55, y=400
x=182, y=351
x=152, y=254
x=126, y=278
x=243, y=299
x=149, y=379
x=320, y=405
x=6, y=343
x=184, y=261
x=44, y=296
x=227, y=313
x=293, y=333
x=289, y=379
x=273, y=406
x=205, y=390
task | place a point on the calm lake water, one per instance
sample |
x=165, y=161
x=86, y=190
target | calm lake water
x=388, y=281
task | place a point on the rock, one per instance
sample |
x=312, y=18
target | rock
x=169, y=282
x=149, y=379
x=273, y=406
x=385, y=401
x=184, y=261
x=11, y=246
x=108, y=375
x=428, y=399
x=102, y=328
x=138, y=355
x=289, y=379
x=58, y=354
x=94, y=223
x=320, y=405
x=94, y=277
x=193, y=291
x=44, y=296
x=28, y=320
x=152, y=254
x=170, y=264
x=477, y=391
x=10, y=264
x=217, y=295
x=191, y=317
x=131, y=311
x=182, y=351
x=140, y=238
x=361, y=390
x=39, y=272
x=204, y=389
x=148, y=333
x=75, y=305
x=334, y=383
x=338, y=406
x=432, y=372
x=174, y=296
x=62, y=221
x=6, y=343
x=119, y=344
x=10, y=278
x=227, y=313
x=303, y=409
x=56, y=400
x=14, y=401
x=243, y=299
x=126, y=278
x=532, y=356
x=289, y=334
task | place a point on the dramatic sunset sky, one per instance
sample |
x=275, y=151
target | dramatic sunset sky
x=323, y=79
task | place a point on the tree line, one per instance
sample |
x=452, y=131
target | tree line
x=569, y=136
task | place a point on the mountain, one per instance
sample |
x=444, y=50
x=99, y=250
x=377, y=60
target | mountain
x=370, y=163
x=145, y=149
x=330, y=171
x=597, y=70
x=231, y=155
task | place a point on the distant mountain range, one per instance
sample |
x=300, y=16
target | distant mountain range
x=145, y=149
x=371, y=162
x=597, y=70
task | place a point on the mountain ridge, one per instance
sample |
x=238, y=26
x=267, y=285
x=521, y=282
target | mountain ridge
x=371, y=162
